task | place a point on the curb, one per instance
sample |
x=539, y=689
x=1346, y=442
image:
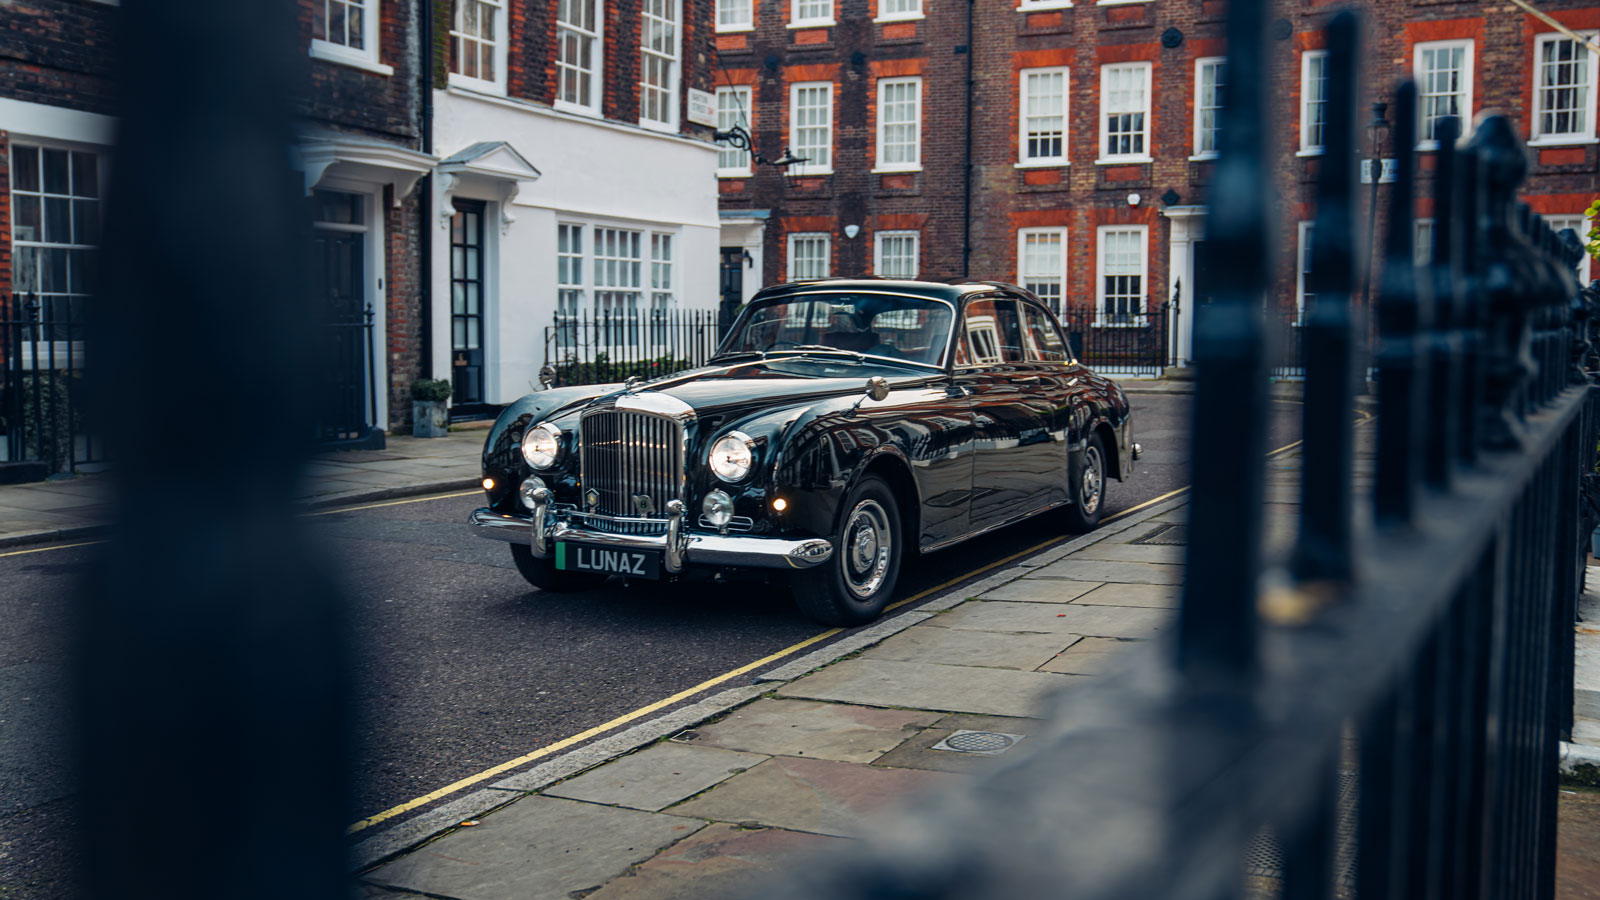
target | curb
x=410, y=833
x=312, y=503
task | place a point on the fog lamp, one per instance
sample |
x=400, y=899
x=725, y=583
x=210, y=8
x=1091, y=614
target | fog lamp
x=780, y=504
x=529, y=485
x=717, y=508
x=488, y=484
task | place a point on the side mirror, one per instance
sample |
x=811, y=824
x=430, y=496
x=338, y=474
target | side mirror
x=877, y=387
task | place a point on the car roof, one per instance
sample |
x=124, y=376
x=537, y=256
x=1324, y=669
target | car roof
x=934, y=290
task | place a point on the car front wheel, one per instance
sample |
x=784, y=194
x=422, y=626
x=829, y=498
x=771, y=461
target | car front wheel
x=854, y=586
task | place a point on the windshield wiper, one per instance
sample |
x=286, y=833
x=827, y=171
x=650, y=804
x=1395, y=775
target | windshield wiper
x=738, y=354
x=821, y=348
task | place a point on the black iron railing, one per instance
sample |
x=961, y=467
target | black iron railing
x=44, y=349
x=1433, y=640
x=1131, y=343
x=599, y=349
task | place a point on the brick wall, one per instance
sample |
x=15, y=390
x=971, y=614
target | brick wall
x=349, y=99
x=403, y=340
x=1083, y=196
x=58, y=52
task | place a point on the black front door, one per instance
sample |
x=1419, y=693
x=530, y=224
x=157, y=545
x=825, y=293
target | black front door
x=732, y=287
x=466, y=302
x=338, y=278
x=1204, y=287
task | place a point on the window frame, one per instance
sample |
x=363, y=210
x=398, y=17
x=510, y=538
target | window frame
x=569, y=315
x=1101, y=316
x=501, y=18
x=595, y=75
x=1467, y=85
x=40, y=242
x=880, y=165
x=1199, y=85
x=1023, y=159
x=674, y=90
x=749, y=24
x=912, y=16
x=1303, y=251
x=1586, y=266
x=827, y=21
x=1307, y=148
x=1420, y=224
x=1059, y=231
x=809, y=168
x=1147, y=155
x=827, y=252
x=745, y=108
x=1538, y=139
x=369, y=58
x=878, y=239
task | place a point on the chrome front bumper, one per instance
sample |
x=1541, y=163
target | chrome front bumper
x=676, y=546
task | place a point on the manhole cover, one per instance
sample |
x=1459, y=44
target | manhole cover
x=986, y=743
x=1166, y=535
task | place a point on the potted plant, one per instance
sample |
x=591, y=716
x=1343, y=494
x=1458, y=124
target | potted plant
x=428, y=414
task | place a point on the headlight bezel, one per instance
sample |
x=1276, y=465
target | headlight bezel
x=735, y=439
x=541, y=460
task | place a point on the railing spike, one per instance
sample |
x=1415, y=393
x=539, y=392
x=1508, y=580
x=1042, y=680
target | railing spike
x=1404, y=315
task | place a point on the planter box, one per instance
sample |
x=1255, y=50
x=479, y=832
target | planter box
x=429, y=418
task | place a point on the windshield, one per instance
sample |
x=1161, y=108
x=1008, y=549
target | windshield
x=905, y=328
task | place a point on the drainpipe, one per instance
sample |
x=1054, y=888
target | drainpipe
x=966, y=162
x=425, y=193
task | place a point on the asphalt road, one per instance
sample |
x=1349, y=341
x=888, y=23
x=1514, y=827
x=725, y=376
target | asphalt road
x=463, y=665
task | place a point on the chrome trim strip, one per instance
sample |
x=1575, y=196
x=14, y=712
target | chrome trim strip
x=698, y=549
x=657, y=403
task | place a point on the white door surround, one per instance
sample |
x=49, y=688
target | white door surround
x=1188, y=227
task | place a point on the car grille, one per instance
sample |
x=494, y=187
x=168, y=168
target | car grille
x=628, y=454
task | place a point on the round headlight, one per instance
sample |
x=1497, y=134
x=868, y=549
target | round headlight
x=732, y=456
x=717, y=508
x=541, y=445
x=529, y=485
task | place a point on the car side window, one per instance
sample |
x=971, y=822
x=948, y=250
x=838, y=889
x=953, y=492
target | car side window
x=994, y=334
x=1044, y=341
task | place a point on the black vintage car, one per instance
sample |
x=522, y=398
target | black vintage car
x=843, y=426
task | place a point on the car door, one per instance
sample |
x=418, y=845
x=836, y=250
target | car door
x=1014, y=464
x=1057, y=389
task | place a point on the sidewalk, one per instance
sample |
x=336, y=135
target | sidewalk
x=75, y=507
x=708, y=801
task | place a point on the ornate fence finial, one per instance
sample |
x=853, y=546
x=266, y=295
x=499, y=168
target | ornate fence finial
x=1506, y=327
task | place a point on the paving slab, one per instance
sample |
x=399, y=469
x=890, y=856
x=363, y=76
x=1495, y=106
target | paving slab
x=820, y=796
x=1077, y=569
x=539, y=848
x=720, y=862
x=1029, y=589
x=655, y=777
x=1168, y=554
x=918, y=753
x=1086, y=657
x=1154, y=596
x=964, y=647
x=918, y=685
x=1070, y=618
x=837, y=731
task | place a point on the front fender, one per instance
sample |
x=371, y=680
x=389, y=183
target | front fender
x=502, y=449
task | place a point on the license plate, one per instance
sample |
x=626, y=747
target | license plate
x=577, y=557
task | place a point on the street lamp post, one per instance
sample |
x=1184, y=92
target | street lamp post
x=1375, y=130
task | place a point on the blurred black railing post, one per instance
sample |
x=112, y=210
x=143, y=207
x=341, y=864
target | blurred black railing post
x=1404, y=314
x=1217, y=622
x=212, y=689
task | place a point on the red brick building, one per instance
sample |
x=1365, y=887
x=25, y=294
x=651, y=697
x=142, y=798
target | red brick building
x=1090, y=133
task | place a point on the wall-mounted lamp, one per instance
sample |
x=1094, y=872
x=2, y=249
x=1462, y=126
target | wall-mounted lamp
x=749, y=261
x=739, y=139
x=1134, y=198
x=851, y=231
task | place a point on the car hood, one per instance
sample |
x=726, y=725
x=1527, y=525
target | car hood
x=718, y=393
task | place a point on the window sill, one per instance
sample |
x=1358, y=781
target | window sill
x=577, y=110
x=1124, y=161
x=735, y=29
x=1041, y=7
x=1120, y=2
x=496, y=88
x=895, y=170
x=344, y=56
x=1043, y=164
x=807, y=173
x=663, y=127
x=734, y=173
x=1205, y=157
x=903, y=17
x=1563, y=142
x=1311, y=151
x=796, y=26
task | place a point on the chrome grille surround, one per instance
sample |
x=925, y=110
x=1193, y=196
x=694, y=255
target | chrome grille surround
x=627, y=452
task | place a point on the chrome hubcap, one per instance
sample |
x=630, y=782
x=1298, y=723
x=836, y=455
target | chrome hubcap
x=867, y=543
x=1089, y=491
